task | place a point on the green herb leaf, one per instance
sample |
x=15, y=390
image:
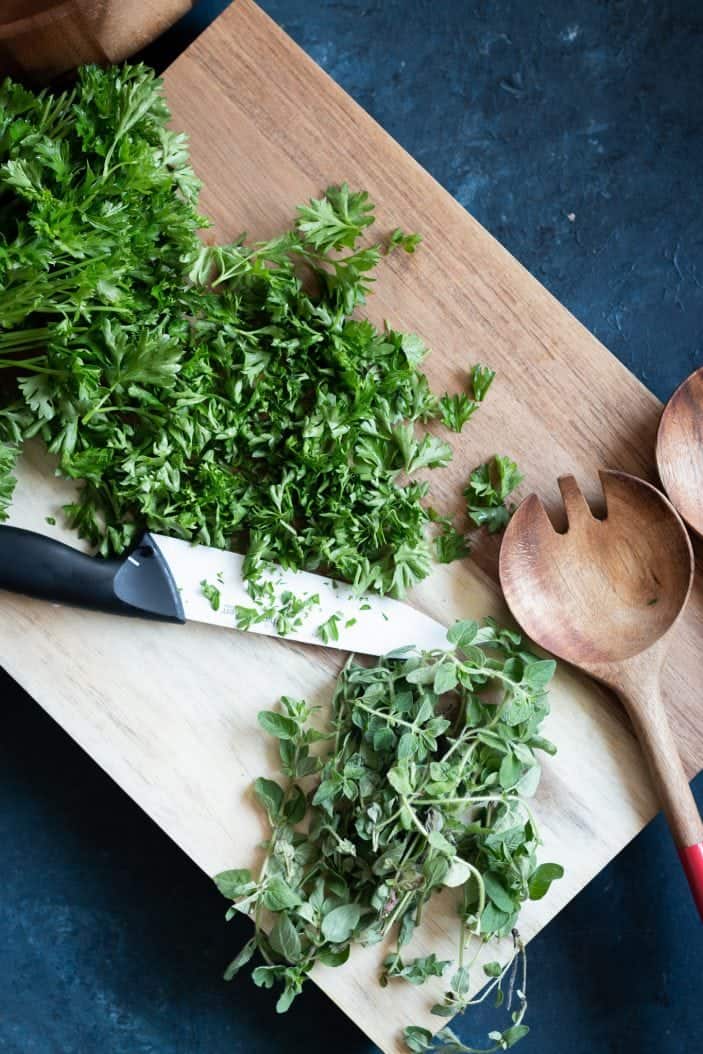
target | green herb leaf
x=497, y=892
x=450, y=544
x=418, y=1040
x=328, y=631
x=462, y=633
x=445, y=678
x=340, y=923
x=487, y=491
x=399, y=239
x=542, y=879
x=240, y=960
x=211, y=593
x=510, y=771
x=514, y=1034
x=279, y=896
x=456, y=410
x=277, y=725
x=285, y=940
x=271, y=797
x=234, y=884
x=539, y=674
x=481, y=379
x=336, y=220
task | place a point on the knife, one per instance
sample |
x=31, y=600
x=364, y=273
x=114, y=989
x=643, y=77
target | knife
x=161, y=579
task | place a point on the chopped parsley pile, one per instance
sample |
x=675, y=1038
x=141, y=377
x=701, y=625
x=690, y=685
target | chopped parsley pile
x=218, y=393
x=222, y=394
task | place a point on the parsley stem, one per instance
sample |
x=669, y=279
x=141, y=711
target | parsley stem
x=19, y=339
x=28, y=364
x=99, y=405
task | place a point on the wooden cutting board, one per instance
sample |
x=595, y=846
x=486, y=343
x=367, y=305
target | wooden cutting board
x=169, y=712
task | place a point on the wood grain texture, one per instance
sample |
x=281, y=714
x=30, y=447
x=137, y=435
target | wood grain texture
x=680, y=450
x=606, y=595
x=170, y=712
x=42, y=38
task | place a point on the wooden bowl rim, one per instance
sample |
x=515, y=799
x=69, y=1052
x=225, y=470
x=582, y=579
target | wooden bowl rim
x=29, y=23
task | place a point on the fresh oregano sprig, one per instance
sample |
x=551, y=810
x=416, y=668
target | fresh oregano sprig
x=429, y=763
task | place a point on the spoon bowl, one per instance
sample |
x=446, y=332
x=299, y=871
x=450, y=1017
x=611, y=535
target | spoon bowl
x=680, y=450
x=605, y=595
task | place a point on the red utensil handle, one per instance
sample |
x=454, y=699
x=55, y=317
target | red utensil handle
x=692, y=860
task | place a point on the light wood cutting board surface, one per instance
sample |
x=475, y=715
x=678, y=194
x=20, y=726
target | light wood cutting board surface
x=170, y=712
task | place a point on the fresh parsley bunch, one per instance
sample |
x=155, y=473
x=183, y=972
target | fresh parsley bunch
x=97, y=220
x=425, y=784
x=222, y=394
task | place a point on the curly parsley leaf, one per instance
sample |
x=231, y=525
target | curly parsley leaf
x=337, y=220
x=487, y=491
x=450, y=544
x=456, y=410
x=482, y=378
x=399, y=239
x=8, y=459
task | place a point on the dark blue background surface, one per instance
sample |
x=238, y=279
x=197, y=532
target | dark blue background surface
x=573, y=130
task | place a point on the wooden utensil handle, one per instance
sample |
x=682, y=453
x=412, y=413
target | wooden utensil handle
x=648, y=715
x=692, y=859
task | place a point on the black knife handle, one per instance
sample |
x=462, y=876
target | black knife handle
x=139, y=584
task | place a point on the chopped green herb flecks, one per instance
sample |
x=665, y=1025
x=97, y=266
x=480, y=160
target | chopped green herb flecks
x=423, y=784
x=399, y=239
x=246, y=617
x=291, y=610
x=482, y=378
x=211, y=593
x=455, y=410
x=450, y=544
x=487, y=491
x=328, y=631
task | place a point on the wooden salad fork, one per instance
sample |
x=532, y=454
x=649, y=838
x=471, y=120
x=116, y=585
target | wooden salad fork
x=604, y=596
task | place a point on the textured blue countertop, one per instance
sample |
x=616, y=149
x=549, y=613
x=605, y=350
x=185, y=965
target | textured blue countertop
x=573, y=130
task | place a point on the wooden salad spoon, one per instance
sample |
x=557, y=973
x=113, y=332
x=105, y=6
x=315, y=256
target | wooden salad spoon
x=680, y=450
x=604, y=596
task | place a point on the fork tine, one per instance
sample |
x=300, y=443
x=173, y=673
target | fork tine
x=531, y=517
x=577, y=508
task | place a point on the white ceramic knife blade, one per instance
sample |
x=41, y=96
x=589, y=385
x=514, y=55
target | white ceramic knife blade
x=367, y=624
